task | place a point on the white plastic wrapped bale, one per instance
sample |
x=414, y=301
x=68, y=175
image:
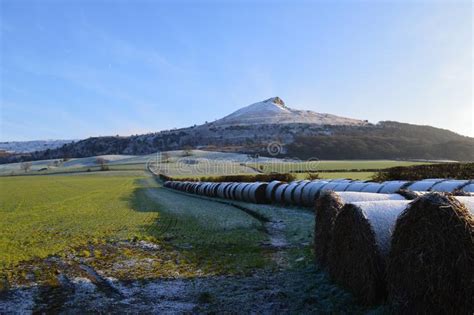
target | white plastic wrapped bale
x=424, y=185
x=298, y=193
x=393, y=186
x=469, y=188
x=239, y=191
x=431, y=262
x=328, y=205
x=279, y=193
x=311, y=192
x=357, y=186
x=257, y=193
x=372, y=188
x=288, y=195
x=360, y=244
x=271, y=188
x=449, y=185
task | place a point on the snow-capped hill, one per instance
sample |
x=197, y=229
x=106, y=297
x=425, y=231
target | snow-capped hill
x=274, y=111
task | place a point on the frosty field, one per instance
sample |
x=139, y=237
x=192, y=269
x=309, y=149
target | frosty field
x=73, y=242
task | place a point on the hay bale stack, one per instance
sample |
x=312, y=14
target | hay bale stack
x=360, y=245
x=431, y=262
x=328, y=206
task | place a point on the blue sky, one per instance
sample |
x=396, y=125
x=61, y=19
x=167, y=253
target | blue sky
x=74, y=69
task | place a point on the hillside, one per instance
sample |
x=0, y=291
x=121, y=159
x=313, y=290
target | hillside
x=294, y=133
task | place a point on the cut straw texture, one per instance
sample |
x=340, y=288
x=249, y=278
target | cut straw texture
x=431, y=265
x=328, y=205
x=359, y=247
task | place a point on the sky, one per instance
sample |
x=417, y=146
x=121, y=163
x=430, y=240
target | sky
x=75, y=69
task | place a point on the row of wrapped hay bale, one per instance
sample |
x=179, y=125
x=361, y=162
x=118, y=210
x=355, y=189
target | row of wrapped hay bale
x=304, y=193
x=419, y=253
x=249, y=192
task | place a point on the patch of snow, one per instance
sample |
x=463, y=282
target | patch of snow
x=274, y=111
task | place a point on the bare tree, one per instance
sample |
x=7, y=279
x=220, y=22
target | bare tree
x=25, y=166
x=103, y=163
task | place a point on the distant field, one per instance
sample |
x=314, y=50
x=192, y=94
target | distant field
x=333, y=175
x=285, y=167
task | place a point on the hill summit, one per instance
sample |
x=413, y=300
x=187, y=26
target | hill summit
x=275, y=111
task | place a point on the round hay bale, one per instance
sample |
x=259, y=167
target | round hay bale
x=298, y=192
x=311, y=192
x=393, y=186
x=328, y=205
x=469, y=188
x=271, y=188
x=222, y=189
x=357, y=186
x=239, y=192
x=257, y=193
x=279, y=193
x=424, y=185
x=288, y=194
x=431, y=262
x=359, y=247
x=327, y=208
x=233, y=191
x=449, y=185
x=408, y=194
x=227, y=191
x=373, y=188
x=246, y=192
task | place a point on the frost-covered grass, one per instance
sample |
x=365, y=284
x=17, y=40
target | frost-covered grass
x=218, y=237
x=43, y=215
x=48, y=215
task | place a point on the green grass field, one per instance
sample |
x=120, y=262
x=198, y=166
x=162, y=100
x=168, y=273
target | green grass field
x=51, y=215
x=286, y=167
